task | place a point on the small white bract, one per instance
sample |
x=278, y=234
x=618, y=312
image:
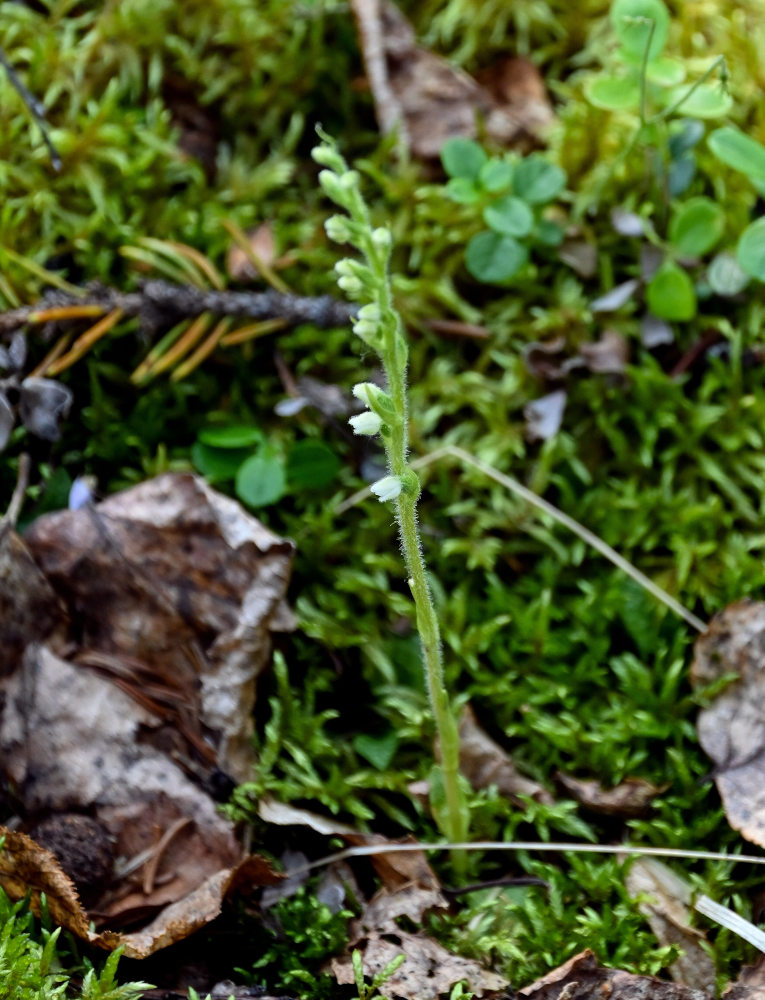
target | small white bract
x=387, y=488
x=365, y=423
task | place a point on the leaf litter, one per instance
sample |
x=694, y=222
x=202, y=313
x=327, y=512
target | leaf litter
x=127, y=707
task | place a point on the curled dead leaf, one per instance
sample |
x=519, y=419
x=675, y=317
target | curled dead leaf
x=732, y=727
x=668, y=912
x=483, y=762
x=581, y=978
x=629, y=799
x=430, y=101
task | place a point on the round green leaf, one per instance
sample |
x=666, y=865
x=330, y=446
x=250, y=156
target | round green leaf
x=491, y=257
x=680, y=174
x=463, y=191
x=737, y=150
x=218, y=464
x=725, y=275
x=261, y=481
x=509, y=216
x=613, y=93
x=751, y=249
x=462, y=158
x=549, y=233
x=537, y=181
x=230, y=437
x=496, y=175
x=637, y=21
x=665, y=71
x=696, y=226
x=686, y=134
x=378, y=750
x=670, y=293
x=311, y=465
x=708, y=100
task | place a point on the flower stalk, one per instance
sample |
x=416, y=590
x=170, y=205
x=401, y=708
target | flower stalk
x=379, y=326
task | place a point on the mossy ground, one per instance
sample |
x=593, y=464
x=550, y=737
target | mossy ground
x=565, y=661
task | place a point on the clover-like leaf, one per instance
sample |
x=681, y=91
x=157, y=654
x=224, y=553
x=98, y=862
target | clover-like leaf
x=510, y=216
x=537, y=180
x=751, y=250
x=635, y=22
x=491, y=257
x=696, y=226
x=463, y=158
x=670, y=293
x=739, y=151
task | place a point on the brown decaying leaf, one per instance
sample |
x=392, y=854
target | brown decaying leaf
x=178, y=578
x=732, y=728
x=430, y=101
x=410, y=889
x=30, y=610
x=483, y=762
x=668, y=915
x=630, y=799
x=240, y=265
x=750, y=984
x=581, y=978
x=172, y=590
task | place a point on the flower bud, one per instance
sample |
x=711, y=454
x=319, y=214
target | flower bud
x=366, y=423
x=338, y=229
x=367, y=331
x=331, y=185
x=326, y=156
x=349, y=180
x=387, y=488
x=382, y=239
x=376, y=399
x=350, y=284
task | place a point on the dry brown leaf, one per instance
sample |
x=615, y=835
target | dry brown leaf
x=396, y=870
x=171, y=591
x=429, y=970
x=483, y=762
x=30, y=611
x=581, y=978
x=732, y=728
x=609, y=355
x=430, y=101
x=750, y=984
x=630, y=799
x=668, y=914
x=240, y=264
x=172, y=580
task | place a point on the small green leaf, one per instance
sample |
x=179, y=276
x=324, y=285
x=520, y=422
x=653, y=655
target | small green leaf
x=218, y=464
x=613, y=93
x=737, y=150
x=751, y=249
x=462, y=158
x=537, y=181
x=696, y=226
x=635, y=21
x=665, y=71
x=509, y=216
x=725, y=275
x=261, y=480
x=686, y=134
x=378, y=750
x=230, y=437
x=670, y=293
x=549, y=233
x=311, y=465
x=496, y=175
x=680, y=174
x=708, y=100
x=463, y=191
x=493, y=258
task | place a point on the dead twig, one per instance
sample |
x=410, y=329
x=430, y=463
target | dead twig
x=162, y=303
